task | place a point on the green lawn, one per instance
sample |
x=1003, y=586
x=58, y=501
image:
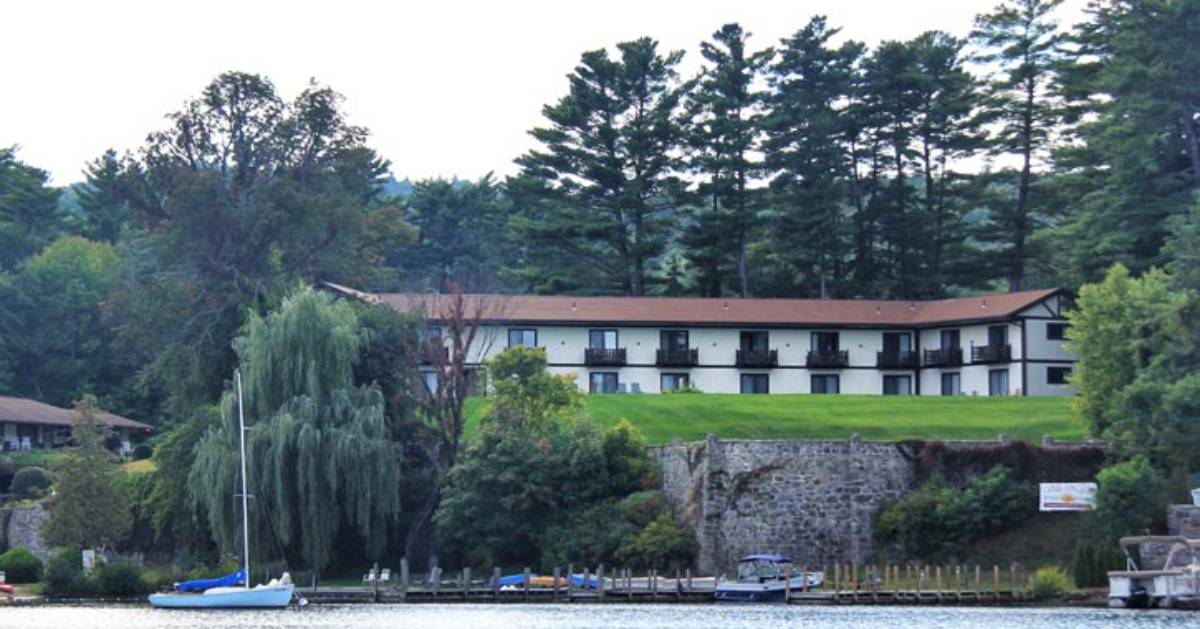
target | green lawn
x=691, y=417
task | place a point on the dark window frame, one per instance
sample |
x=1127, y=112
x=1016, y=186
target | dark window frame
x=952, y=375
x=616, y=381
x=954, y=334
x=522, y=330
x=897, y=377
x=1062, y=373
x=743, y=335
x=1007, y=383
x=825, y=377
x=754, y=377
x=664, y=334
x=1060, y=331
x=685, y=378
x=816, y=346
x=616, y=337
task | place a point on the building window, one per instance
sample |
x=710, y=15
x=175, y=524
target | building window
x=998, y=382
x=673, y=381
x=431, y=381
x=950, y=339
x=602, y=382
x=1056, y=331
x=951, y=384
x=897, y=385
x=825, y=343
x=825, y=383
x=522, y=337
x=756, y=341
x=755, y=383
x=1057, y=375
x=997, y=335
x=602, y=339
x=673, y=340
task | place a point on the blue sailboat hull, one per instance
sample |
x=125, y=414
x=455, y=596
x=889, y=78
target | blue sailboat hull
x=262, y=597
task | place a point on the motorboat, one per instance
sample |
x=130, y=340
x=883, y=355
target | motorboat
x=1174, y=585
x=765, y=578
x=231, y=591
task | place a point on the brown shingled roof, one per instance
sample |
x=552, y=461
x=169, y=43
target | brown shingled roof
x=710, y=311
x=22, y=411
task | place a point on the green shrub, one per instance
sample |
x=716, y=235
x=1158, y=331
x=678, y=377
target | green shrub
x=31, y=481
x=64, y=575
x=119, y=579
x=21, y=566
x=142, y=451
x=1131, y=498
x=938, y=521
x=642, y=508
x=662, y=545
x=1050, y=581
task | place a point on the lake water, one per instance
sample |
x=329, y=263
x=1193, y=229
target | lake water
x=582, y=616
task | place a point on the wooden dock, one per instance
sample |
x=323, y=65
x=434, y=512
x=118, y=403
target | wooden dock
x=843, y=585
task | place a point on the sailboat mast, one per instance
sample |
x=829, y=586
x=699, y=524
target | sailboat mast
x=245, y=495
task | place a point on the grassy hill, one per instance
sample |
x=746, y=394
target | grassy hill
x=691, y=417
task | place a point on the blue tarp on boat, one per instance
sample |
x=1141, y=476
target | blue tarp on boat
x=199, y=585
x=514, y=579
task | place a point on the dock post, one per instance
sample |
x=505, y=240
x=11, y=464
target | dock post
x=689, y=581
x=629, y=584
x=466, y=583
x=938, y=583
x=804, y=583
x=958, y=583
x=600, y=582
x=678, y=585
x=495, y=584
x=570, y=583
x=436, y=577
x=586, y=579
x=837, y=580
x=557, y=575
x=921, y=572
x=1012, y=580
x=787, y=587
x=977, y=579
x=996, y=582
x=403, y=577
x=525, y=583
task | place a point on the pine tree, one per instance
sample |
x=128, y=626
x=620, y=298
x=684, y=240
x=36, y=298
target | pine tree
x=102, y=199
x=597, y=200
x=1019, y=40
x=808, y=155
x=723, y=135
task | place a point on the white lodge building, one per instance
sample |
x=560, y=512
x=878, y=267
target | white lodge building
x=1004, y=344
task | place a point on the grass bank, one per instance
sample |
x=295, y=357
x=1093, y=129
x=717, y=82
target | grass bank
x=691, y=417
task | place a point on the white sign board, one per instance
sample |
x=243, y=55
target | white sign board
x=1067, y=496
x=89, y=560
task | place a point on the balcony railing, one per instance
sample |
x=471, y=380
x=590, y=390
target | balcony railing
x=600, y=357
x=678, y=357
x=902, y=359
x=763, y=358
x=828, y=359
x=434, y=352
x=947, y=357
x=991, y=353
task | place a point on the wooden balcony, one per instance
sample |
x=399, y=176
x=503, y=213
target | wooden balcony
x=991, y=353
x=827, y=360
x=677, y=357
x=600, y=357
x=948, y=357
x=762, y=359
x=903, y=359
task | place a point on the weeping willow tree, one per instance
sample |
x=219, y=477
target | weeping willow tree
x=319, y=450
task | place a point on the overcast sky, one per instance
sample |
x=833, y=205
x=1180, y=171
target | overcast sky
x=446, y=87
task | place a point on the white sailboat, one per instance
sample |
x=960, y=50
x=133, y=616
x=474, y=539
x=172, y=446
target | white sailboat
x=231, y=591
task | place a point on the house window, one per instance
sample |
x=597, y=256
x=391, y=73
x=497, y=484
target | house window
x=433, y=331
x=825, y=343
x=825, y=383
x=755, y=383
x=951, y=384
x=998, y=382
x=431, y=381
x=522, y=337
x=1057, y=375
x=673, y=381
x=673, y=340
x=997, y=335
x=950, y=339
x=754, y=342
x=898, y=344
x=602, y=382
x=1056, y=331
x=897, y=385
x=602, y=339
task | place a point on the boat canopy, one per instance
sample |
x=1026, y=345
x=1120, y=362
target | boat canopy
x=767, y=558
x=199, y=585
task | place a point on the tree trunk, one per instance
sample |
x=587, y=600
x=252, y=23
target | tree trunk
x=1016, y=275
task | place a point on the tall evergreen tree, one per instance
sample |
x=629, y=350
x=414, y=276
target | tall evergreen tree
x=1019, y=40
x=1133, y=156
x=807, y=150
x=723, y=137
x=102, y=199
x=598, y=198
x=29, y=214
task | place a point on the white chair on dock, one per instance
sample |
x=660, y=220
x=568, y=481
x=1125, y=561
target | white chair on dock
x=385, y=576
x=370, y=577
